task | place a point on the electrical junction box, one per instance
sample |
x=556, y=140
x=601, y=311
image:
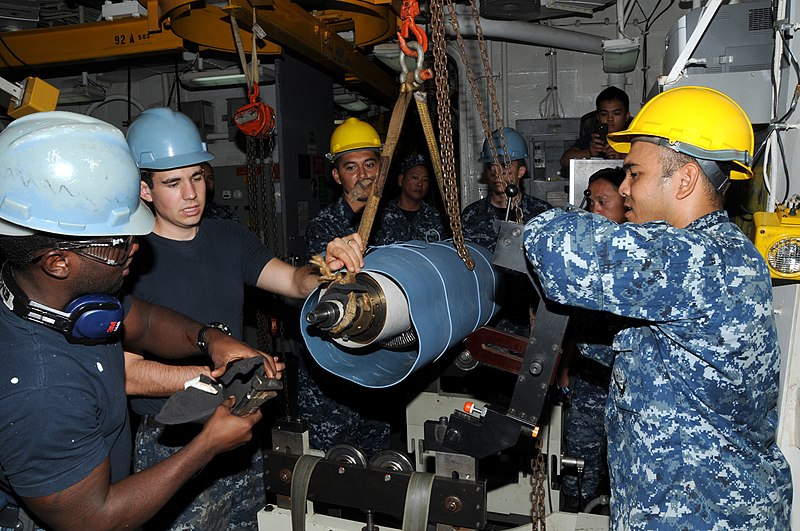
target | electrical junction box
x=739, y=38
x=202, y=114
x=37, y=96
x=548, y=139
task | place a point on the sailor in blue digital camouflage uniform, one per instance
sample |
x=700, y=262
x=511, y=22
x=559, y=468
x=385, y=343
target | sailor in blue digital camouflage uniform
x=691, y=413
x=339, y=411
x=409, y=217
x=480, y=220
x=508, y=168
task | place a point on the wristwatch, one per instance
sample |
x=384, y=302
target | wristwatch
x=201, y=335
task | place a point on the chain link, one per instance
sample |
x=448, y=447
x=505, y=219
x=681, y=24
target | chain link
x=263, y=212
x=450, y=191
x=506, y=175
x=269, y=172
x=261, y=191
x=538, y=482
x=255, y=174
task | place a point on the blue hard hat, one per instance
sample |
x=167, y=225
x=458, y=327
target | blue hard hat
x=515, y=146
x=163, y=139
x=70, y=174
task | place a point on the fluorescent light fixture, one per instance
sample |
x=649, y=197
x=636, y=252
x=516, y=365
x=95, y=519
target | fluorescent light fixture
x=224, y=77
x=620, y=55
x=81, y=94
x=351, y=102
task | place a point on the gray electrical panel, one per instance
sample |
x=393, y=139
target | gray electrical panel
x=547, y=139
x=230, y=189
x=740, y=38
x=202, y=114
x=733, y=56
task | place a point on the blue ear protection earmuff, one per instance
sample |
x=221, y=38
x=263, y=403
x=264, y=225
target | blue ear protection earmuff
x=88, y=319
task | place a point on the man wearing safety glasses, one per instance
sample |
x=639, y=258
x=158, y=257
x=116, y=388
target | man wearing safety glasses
x=69, y=205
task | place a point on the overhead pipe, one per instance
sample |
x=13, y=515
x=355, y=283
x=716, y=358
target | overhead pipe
x=530, y=33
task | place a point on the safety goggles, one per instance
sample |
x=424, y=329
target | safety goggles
x=113, y=251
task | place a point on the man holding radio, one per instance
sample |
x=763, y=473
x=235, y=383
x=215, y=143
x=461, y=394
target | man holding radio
x=612, y=115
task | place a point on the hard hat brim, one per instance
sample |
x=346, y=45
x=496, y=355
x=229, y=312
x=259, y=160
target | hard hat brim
x=621, y=143
x=140, y=222
x=333, y=157
x=178, y=161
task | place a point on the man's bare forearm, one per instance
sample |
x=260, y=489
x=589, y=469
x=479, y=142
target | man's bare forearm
x=94, y=503
x=156, y=329
x=144, y=377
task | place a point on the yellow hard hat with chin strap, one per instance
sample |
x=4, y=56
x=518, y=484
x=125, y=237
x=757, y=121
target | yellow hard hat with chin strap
x=697, y=121
x=353, y=135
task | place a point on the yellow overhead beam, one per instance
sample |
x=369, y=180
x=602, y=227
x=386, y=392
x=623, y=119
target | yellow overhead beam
x=104, y=40
x=300, y=31
x=209, y=27
x=84, y=42
x=183, y=21
x=296, y=29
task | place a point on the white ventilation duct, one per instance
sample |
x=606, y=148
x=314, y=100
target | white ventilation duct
x=530, y=33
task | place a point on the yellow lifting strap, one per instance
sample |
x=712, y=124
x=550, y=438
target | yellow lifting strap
x=447, y=187
x=375, y=194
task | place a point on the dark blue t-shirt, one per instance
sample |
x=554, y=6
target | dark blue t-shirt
x=63, y=409
x=202, y=278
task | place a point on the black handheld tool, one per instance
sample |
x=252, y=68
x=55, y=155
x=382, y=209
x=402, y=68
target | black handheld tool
x=262, y=389
x=245, y=379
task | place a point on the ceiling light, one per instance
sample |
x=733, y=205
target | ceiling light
x=81, y=94
x=620, y=55
x=224, y=77
x=351, y=103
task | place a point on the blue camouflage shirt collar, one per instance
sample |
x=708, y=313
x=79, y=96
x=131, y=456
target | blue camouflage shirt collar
x=709, y=220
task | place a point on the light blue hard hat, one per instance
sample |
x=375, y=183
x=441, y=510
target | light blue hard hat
x=70, y=174
x=163, y=139
x=515, y=146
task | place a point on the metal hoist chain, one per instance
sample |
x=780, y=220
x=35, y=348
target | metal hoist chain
x=450, y=189
x=476, y=95
x=257, y=121
x=261, y=191
x=538, y=482
x=269, y=168
x=254, y=177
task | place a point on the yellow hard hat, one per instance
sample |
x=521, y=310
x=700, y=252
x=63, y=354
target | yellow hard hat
x=698, y=121
x=353, y=135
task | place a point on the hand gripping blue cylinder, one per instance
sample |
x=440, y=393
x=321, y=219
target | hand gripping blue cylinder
x=446, y=302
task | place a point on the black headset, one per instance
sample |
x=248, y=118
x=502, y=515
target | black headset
x=89, y=319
